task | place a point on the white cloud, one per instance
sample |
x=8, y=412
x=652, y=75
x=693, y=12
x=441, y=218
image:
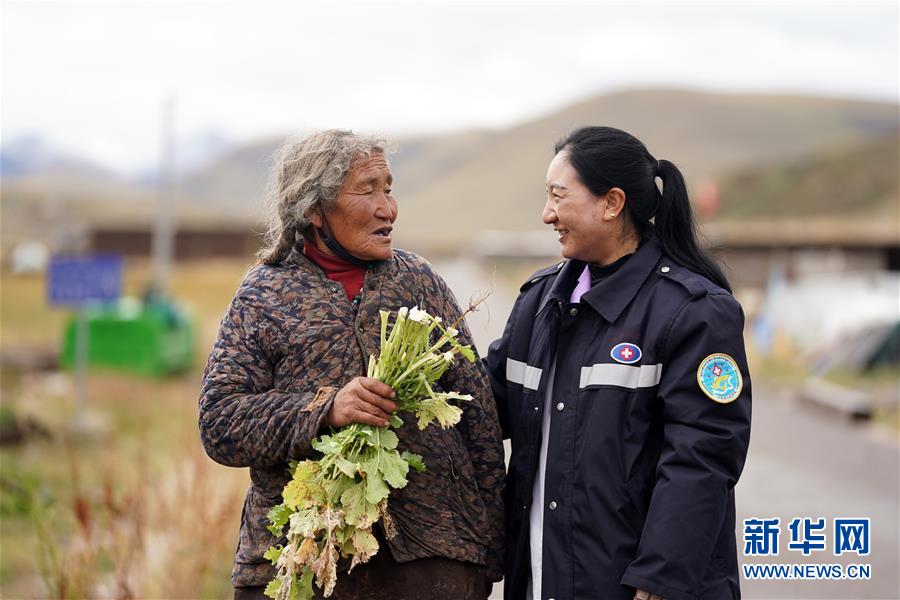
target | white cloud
x=91, y=76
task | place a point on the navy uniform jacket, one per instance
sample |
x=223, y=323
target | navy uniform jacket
x=641, y=461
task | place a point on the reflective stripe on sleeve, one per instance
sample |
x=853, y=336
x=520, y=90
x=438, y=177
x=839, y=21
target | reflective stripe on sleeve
x=523, y=374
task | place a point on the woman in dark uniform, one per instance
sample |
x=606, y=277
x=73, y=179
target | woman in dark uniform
x=622, y=381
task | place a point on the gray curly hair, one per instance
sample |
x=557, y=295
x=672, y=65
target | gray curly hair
x=308, y=172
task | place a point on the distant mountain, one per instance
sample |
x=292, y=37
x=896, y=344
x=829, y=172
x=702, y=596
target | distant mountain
x=192, y=153
x=236, y=181
x=32, y=155
x=451, y=187
x=852, y=182
x=499, y=181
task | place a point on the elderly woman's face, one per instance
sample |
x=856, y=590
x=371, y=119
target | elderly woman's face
x=364, y=210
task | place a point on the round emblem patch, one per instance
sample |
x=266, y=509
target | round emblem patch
x=626, y=353
x=720, y=378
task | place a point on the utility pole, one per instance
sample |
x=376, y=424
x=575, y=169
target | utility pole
x=164, y=226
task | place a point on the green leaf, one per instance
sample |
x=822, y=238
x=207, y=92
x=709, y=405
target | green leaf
x=437, y=409
x=306, y=523
x=357, y=511
x=394, y=468
x=327, y=444
x=345, y=466
x=343, y=537
x=467, y=352
x=396, y=422
x=335, y=488
x=278, y=516
x=386, y=438
x=414, y=460
x=304, y=587
x=302, y=494
x=365, y=545
x=384, y=323
x=376, y=489
x=272, y=588
x=295, y=493
x=273, y=554
x=303, y=490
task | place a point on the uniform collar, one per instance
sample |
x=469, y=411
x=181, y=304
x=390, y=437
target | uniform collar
x=613, y=294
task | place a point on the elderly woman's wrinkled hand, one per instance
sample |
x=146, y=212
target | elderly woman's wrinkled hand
x=364, y=400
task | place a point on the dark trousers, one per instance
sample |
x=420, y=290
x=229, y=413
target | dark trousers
x=384, y=579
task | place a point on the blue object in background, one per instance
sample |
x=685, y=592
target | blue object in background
x=77, y=280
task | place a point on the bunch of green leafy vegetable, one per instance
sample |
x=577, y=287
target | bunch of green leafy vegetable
x=331, y=504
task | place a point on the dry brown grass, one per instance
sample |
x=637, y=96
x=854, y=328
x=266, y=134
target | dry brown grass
x=134, y=508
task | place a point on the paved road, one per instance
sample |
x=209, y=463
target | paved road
x=801, y=464
x=806, y=464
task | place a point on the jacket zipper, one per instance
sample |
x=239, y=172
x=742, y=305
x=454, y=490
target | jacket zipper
x=452, y=470
x=356, y=322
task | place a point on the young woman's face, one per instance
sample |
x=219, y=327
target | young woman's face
x=581, y=219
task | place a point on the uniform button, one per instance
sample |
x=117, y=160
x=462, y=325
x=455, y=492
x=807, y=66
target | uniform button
x=560, y=406
x=536, y=408
x=553, y=505
x=573, y=312
x=333, y=289
x=665, y=269
x=361, y=328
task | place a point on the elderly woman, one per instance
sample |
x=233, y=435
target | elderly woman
x=287, y=366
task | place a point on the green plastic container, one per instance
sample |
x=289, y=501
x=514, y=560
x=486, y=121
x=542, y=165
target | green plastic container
x=153, y=337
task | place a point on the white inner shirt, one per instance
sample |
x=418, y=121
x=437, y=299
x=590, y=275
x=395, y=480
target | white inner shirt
x=536, y=516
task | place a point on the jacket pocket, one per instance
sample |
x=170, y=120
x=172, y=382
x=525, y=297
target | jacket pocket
x=254, y=538
x=638, y=492
x=469, y=510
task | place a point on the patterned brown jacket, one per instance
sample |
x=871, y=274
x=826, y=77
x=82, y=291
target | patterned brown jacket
x=289, y=341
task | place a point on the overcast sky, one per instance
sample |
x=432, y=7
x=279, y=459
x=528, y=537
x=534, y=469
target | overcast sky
x=90, y=77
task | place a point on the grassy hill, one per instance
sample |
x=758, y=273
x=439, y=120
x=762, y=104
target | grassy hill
x=859, y=181
x=452, y=186
x=501, y=185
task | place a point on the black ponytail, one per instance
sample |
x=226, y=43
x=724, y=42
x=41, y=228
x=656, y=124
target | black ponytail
x=675, y=228
x=605, y=157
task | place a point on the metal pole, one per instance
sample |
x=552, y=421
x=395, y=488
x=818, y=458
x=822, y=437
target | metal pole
x=164, y=227
x=82, y=349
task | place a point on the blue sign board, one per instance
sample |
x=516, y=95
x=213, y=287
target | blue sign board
x=78, y=280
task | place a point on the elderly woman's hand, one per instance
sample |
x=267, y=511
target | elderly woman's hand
x=364, y=400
